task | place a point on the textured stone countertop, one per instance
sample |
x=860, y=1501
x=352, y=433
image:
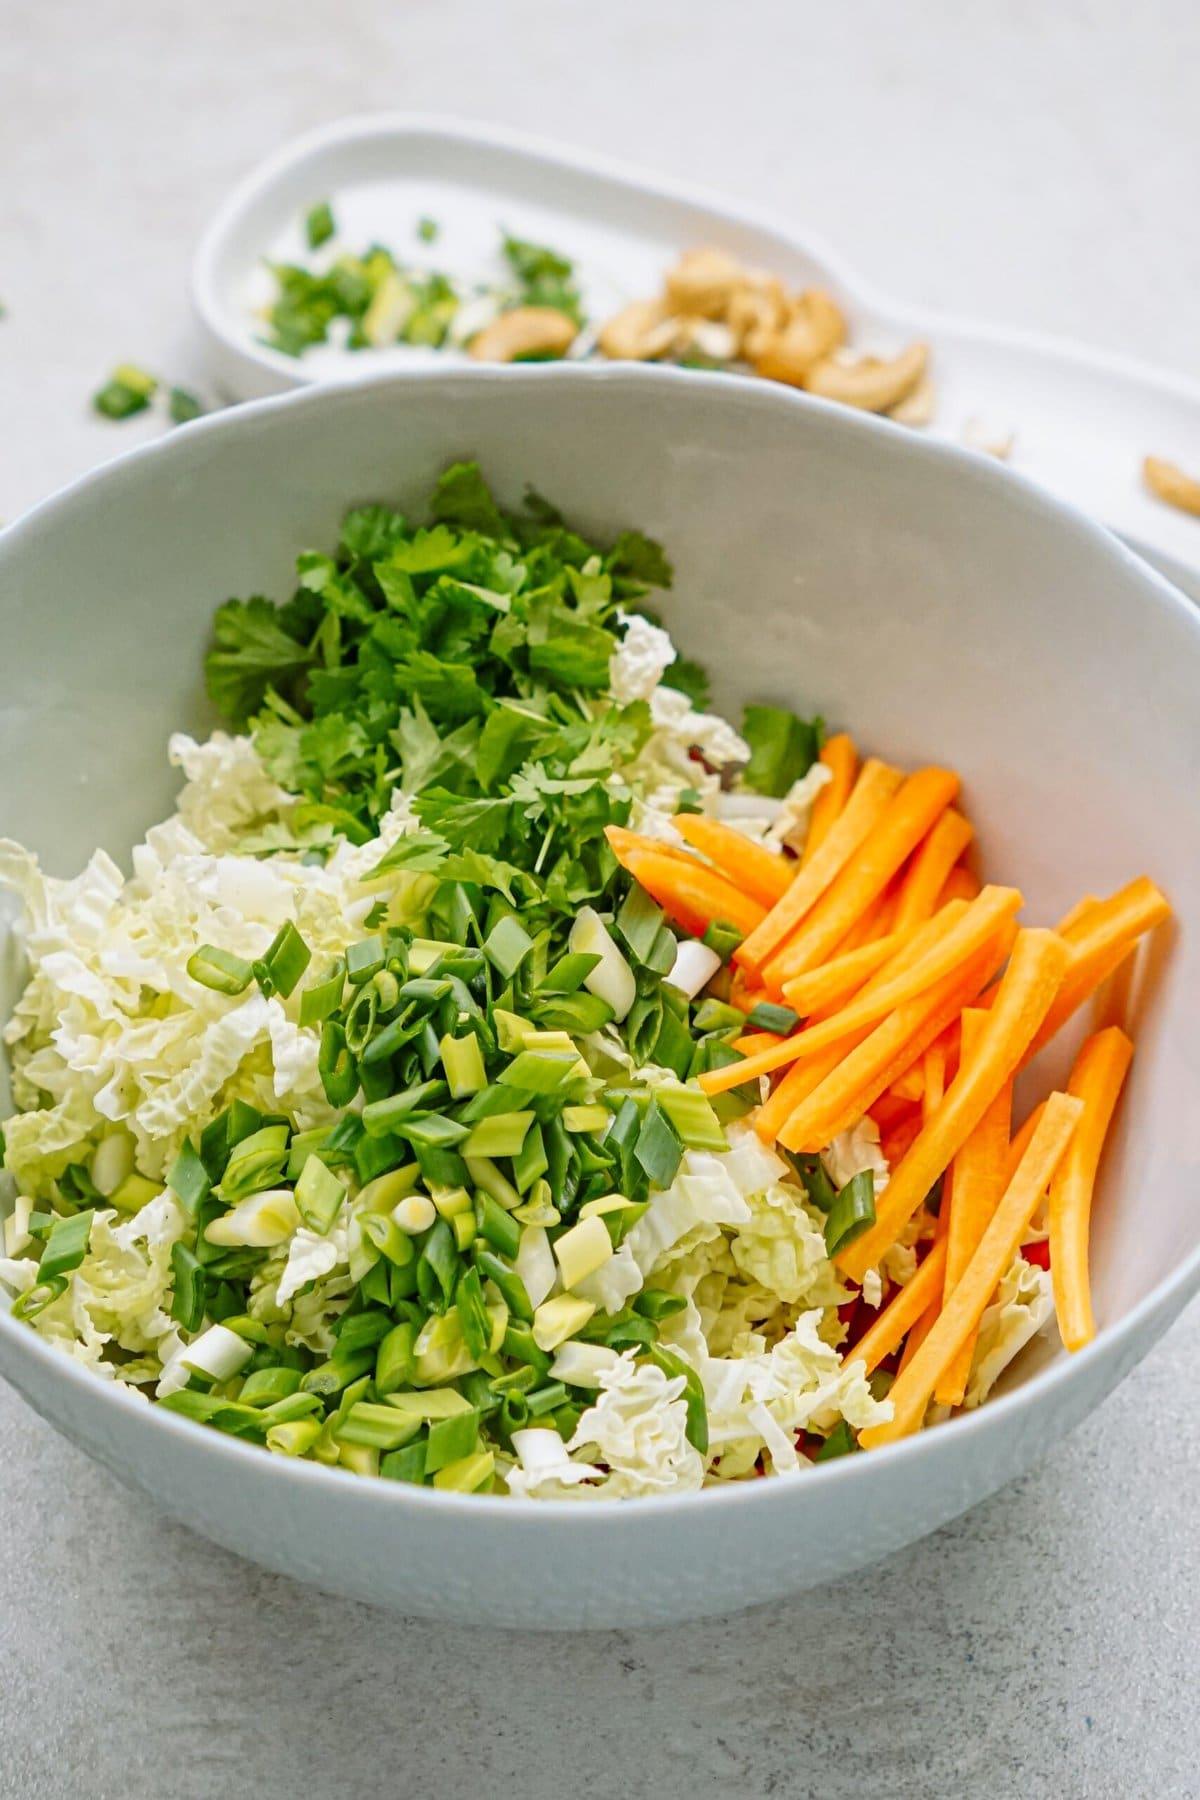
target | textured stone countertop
x=1030, y=163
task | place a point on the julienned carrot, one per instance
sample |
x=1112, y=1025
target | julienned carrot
x=695, y=897
x=1020, y=1141
x=875, y=923
x=960, y=884
x=898, y=1140
x=1099, y=941
x=911, y=1391
x=929, y=868
x=887, y=1111
x=797, y=1047
x=950, y=950
x=909, y=815
x=804, y=1077
x=1074, y=917
x=751, y=1042
x=924, y=1325
x=873, y=791
x=977, y=1177
x=1027, y=989
x=866, y=1071
x=897, y=1318
x=1096, y=1080
x=836, y=981
x=624, y=843
x=743, y=994
x=841, y=759
x=763, y=874
x=910, y=1086
x=933, y=1065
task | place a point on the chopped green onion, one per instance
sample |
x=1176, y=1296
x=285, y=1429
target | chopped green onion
x=501, y=1135
x=588, y=1118
x=512, y=1289
x=658, y=1150
x=531, y=1161
x=462, y=1059
x=638, y=922
x=128, y=390
x=852, y=1212
x=766, y=1016
x=187, y=1301
x=66, y=1246
x=840, y=1442
x=673, y=1366
x=427, y=230
x=407, y=1464
x=295, y=1438
x=42, y=1294
x=658, y=1304
x=468, y=1474
x=319, y=226
x=690, y=1112
x=262, y=1387
x=183, y=406
x=395, y=1363
x=506, y=946
x=323, y=998
x=814, y=1179
x=439, y=1264
x=220, y=970
x=519, y=1344
x=497, y=1226
x=364, y=959
x=255, y=1164
x=335, y=1065
x=383, y=1116
x=188, y=1178
x=545, y=1399
x=387, y=1238
x=473, y=1317
x=319, y=1196
x=286, y=959
x=569, y=973
x=381, y=1427
x=540, y=1071
x=450, y=1439
x=724, y=939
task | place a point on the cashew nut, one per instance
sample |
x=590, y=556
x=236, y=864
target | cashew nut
x=526, y=331
x=703, y=281
x=756, y=313
x=871, y=384
x=1171, y=484
x=639, y=332
x=813, y=332
x=978, y=435
x=917, y=408
x=708, y=338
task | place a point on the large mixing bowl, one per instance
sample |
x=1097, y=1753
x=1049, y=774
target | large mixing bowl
x=936, y=604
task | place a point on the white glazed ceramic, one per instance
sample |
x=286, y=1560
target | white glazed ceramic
x=1083, y=421
x=930, y=600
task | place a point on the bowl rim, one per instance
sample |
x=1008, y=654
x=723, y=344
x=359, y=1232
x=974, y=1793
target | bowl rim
x=1062, y=1377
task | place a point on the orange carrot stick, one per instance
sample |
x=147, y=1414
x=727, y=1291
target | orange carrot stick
x=910, y=1086
x=898, y=1140
x=1026, y=991
x=930, y=868
x=693, y=896
x=1099, y=941
x=977, y=1182
x=830, y=986
x=873, y=791
x=763, y=874
x=841, y=759
x=933, y=1066
x=907, y=1304
x=624, y=843
x=888, y=1111
x=960, y=884
x=1096, y=1080
x=911, y=1391
x=1020, y=1141
x=866, y=1071
x=951, y=950
x=751, y=1042
x=1074, y=917
x=909, y=815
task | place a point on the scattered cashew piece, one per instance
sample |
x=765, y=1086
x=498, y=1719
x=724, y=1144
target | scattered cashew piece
x=639, y=332
x=816, y=329
x=917, y=408
x=978, y=435
x=526, y=331
x=703, y=281
x=1167, y=481
x=871, y=384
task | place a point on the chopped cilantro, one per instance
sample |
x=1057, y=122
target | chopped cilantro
x=318, y=225
x=783, y=747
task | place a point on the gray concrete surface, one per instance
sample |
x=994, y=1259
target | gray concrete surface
x=1034, y=163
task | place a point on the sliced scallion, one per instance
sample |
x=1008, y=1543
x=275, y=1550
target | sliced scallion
x=220, y=970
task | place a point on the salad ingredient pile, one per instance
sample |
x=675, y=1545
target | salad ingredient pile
x=503, y=1075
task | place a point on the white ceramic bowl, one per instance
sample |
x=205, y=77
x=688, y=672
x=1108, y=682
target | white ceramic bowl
x=937, y=605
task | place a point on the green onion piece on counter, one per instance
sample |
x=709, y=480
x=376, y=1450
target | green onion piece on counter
x=128, y=390
x=364, y=959
x=658, y=1150
x=427, y=230
x=852, y=1212
x=284, y=963
x=766, y=1016
x=188, y=1299
x=183, y=406
x=840, y=1442
x=506, y=946
x=66, y=1246
x=322, y=999
x=220, y=970
x=724, y=939
x=188, y=1178
x=319, y=225
x=319, y=1195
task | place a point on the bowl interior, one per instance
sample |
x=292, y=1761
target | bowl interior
x=937, y=608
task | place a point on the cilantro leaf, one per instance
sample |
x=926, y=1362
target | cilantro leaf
x=687, y=677
x=640, y=558
x=370, y=531
x=251, y=652
x=462, y=497
x=783, y=747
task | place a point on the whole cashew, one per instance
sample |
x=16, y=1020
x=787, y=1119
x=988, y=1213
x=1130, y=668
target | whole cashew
x=526, y=331
x=756, y=314
x=638, y=333
x=1171, y=484
x=702, y=281
x=814, y=331
x=871, y=384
